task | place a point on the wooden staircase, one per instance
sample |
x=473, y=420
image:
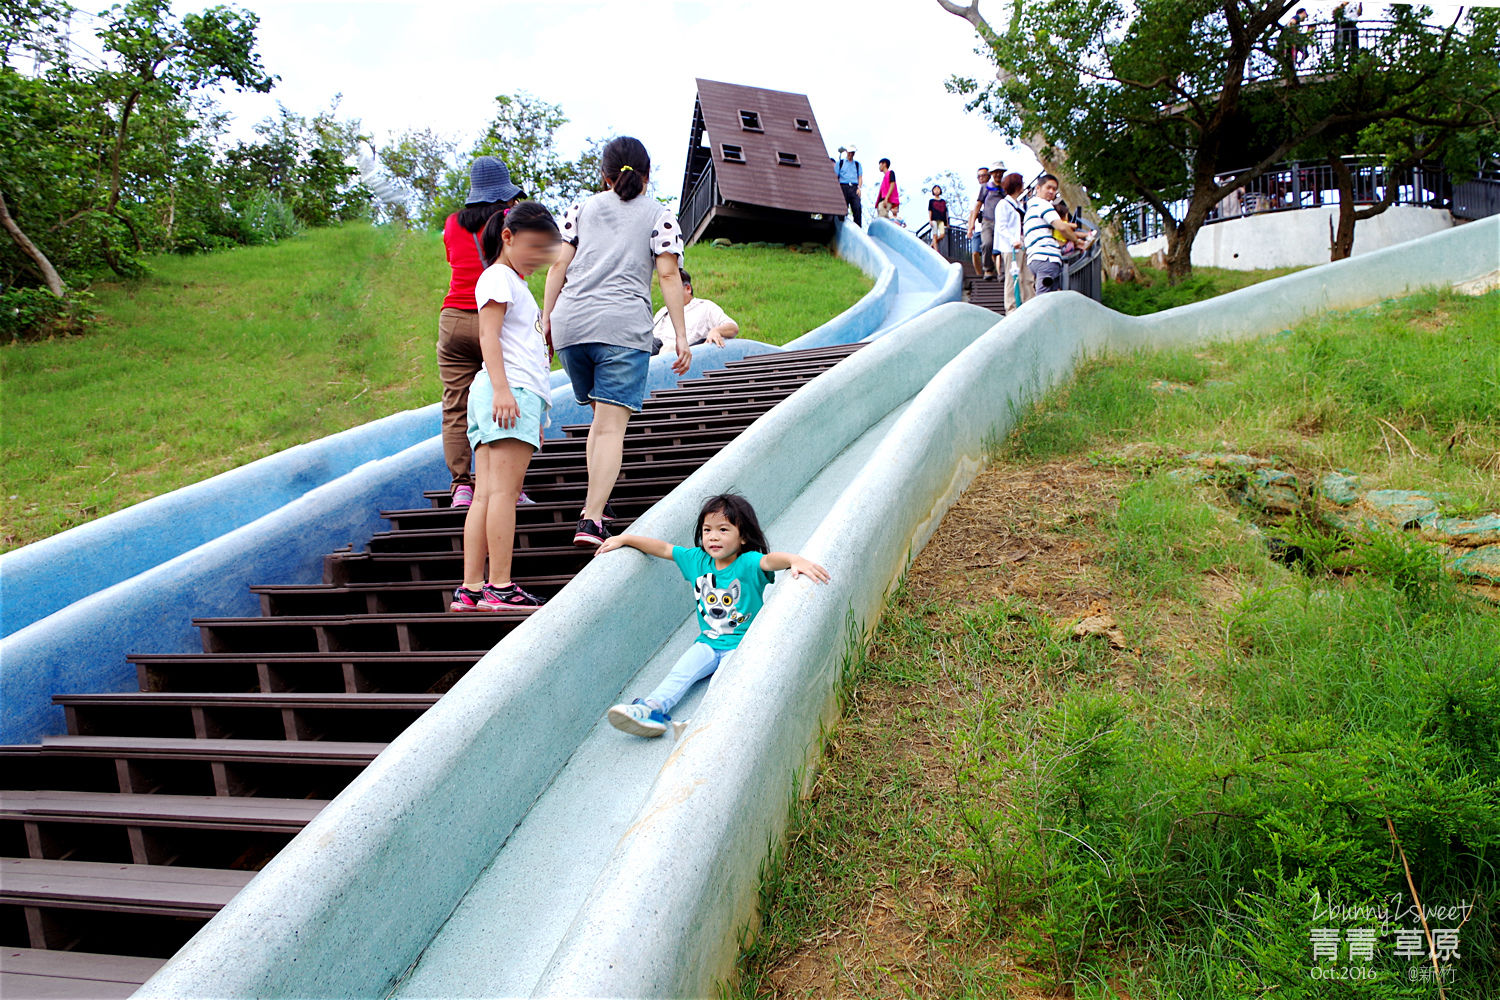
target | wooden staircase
x=120, y=839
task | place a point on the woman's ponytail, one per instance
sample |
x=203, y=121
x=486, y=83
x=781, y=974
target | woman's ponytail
x=627, y=166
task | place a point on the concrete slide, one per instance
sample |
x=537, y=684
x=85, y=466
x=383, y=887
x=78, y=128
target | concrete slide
x=510, y=843
x=202, y=546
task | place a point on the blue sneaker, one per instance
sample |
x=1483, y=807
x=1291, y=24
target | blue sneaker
x=639, y=719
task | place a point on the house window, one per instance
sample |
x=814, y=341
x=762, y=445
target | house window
x=803, y=125
x=787, y=159
x=733, y=154
x=750, y=121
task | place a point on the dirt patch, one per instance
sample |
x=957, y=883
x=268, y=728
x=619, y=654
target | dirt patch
x=1023, y=531
x=1034, y=532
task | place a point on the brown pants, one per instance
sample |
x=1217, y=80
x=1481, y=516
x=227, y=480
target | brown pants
x=458, y=362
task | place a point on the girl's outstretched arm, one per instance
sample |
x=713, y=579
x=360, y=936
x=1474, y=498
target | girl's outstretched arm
x=773, y=561
x=651, y=546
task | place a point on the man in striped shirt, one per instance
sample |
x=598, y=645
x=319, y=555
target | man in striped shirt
x=1043, y=249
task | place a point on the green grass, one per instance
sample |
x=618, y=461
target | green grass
x=1153, y=293
x=211, y=362
x=1332, y=393
x=1006, y=811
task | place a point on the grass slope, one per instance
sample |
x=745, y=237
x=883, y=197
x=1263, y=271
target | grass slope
x=1153, y=294
x=211, y=362
x=1168, y=805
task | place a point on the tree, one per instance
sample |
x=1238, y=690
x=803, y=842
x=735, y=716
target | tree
x=1053, y=158
x=420, y=159
x=162, y=61
x=522, y=134
x=89, y=151
x=1164, y=101
x=1442, y=106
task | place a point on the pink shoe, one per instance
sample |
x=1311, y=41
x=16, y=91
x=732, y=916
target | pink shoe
x=463, y=495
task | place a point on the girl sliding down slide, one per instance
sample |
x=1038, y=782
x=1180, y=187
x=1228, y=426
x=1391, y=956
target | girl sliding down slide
x=729, y=569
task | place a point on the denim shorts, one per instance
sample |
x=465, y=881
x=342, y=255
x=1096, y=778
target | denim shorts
x=604, y=373
x=482, y=426
x=976, y=242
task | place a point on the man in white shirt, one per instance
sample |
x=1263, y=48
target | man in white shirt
x=706, y=322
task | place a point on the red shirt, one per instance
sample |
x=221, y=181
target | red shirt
x=463, y=258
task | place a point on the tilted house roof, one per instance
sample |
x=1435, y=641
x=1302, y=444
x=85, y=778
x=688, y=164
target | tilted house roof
x=767, y=149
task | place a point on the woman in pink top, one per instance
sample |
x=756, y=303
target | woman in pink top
x=888, y=201
x=490, y=191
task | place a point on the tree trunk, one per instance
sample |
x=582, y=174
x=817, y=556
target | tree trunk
x=1180, y=239
x=49, y=273
x=1118, y=264
x=1342, y=244
x=1117, y=261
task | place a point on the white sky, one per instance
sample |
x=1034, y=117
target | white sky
x=873, y=70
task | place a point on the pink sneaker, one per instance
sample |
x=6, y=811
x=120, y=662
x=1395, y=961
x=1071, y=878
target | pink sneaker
x=463, y=495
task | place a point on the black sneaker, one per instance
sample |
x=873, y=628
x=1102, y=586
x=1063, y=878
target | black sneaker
x=590, y=533
x=511, y=598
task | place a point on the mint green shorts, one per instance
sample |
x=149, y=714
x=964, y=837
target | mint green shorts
x=482, y=426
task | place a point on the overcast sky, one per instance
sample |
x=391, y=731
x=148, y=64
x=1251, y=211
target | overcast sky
x=874, y=71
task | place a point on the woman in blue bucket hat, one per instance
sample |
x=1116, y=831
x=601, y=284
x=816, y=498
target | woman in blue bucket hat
x=490, y=190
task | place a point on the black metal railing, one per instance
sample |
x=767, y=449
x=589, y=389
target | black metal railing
x=1084, y=272
x=1325, y=48
x=953, y=245
x=1480, y=197
x=699, y=202
x=1296, y=185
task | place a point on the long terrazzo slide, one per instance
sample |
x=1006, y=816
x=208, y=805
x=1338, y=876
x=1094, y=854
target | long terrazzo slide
x=630, y=868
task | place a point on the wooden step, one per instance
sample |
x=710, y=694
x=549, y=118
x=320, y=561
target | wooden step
x=395, y=598
x=40, y=974
x=198, y=831
x=527, y=537
x=159, y=890
x=195, y=812
x=559, y=512
x=421, y=672
x=183, y=766
x=371, y=716
x=328, y=633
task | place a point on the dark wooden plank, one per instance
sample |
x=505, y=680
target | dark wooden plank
x=275, y=699
x=270, y=751
x=78, y=965
x=159, y=889
x=208, y=811
x=21, y=987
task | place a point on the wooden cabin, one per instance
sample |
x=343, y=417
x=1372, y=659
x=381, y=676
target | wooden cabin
x=757, y=168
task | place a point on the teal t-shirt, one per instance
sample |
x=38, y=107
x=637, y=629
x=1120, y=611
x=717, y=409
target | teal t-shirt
x=728, y=599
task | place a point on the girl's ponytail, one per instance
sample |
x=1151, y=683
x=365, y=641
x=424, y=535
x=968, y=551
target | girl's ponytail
x=627, y=166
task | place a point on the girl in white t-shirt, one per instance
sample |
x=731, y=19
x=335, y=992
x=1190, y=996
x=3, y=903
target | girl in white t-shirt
x=508, y=401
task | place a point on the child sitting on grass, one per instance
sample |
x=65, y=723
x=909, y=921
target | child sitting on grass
x=508, y=402
x=730, y=568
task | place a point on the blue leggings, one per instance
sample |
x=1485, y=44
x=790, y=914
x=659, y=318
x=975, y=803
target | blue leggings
x=699, y=661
